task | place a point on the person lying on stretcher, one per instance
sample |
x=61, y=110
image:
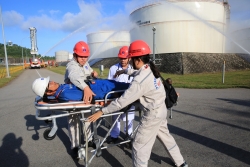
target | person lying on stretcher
x=47, y=89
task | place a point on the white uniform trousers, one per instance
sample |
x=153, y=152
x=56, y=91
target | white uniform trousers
x=73, y=128
x=149, y=129
x=115, y=132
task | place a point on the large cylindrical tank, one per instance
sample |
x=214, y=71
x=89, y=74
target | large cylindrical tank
x=182, y=26
x=62, y=56
x=106, y=44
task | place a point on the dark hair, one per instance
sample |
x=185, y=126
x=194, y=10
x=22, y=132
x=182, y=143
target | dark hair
x=146, y=59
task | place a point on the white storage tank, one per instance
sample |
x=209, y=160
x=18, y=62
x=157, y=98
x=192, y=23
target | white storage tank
x=182, y=26
x=106, y=44
x=62, y=56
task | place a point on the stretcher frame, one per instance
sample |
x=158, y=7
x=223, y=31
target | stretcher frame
x=79, y=108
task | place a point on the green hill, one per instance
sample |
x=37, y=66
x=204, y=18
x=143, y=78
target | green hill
x=15, y=51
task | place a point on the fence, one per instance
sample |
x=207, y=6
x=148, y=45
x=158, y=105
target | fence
x=12, y=70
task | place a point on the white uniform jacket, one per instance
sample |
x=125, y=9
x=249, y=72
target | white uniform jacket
x=76, y=74
x=145, y=87
x=122, y=77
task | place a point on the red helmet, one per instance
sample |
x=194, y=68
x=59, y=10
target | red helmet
x=138, y=48
x=123, y=52
x=81, y=49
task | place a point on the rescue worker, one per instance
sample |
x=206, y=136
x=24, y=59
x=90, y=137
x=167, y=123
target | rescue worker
x=122, y=65
x=77, y=70
x=148, y=88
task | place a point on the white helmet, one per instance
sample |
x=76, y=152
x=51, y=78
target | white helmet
x=39, y=86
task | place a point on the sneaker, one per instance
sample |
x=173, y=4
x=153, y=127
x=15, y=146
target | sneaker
x=184, y=164
x=112, y=140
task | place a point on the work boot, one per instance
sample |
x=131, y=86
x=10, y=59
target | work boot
x=112, y=140
x=91, y=144
x=74, y=153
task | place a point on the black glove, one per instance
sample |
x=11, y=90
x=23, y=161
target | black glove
x=119, y=73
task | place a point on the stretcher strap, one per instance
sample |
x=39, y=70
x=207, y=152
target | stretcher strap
x=95, y=136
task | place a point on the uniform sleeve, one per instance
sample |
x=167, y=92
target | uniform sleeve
x=130, y=71
x=128, y=97
x=90, y=69
x=76, y=77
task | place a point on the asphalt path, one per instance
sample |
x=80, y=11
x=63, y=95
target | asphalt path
x=211, y=127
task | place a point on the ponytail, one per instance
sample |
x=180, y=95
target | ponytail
x=146, y=60
x=154, y=69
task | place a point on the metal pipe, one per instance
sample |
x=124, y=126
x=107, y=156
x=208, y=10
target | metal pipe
x=22, y=51
x=154, y=29
x=22, y=57
x=5, y=51
x=223, y=71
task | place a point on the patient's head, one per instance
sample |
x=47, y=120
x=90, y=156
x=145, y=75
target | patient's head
x=43, y=86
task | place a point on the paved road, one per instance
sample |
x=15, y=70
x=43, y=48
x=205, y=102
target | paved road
x=211, y=127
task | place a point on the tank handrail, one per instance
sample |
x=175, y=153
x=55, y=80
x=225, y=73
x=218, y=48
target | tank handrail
x=152, y=3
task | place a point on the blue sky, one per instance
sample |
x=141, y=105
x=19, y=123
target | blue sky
x=61, y=23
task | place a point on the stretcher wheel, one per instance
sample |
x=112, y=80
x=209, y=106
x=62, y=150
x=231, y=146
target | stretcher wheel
x=47, y=121
x=129, y=145
x=46, y=134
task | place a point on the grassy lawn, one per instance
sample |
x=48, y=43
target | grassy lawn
x=5, y=81
x=233, y=79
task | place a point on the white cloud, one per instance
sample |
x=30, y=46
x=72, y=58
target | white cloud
x=53, y=12
x=88, y=15
x=12, y=18
x=41, y=22
x=118, y=22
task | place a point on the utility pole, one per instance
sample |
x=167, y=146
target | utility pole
x=22, y=51
x=5, y=51
x=154, y=29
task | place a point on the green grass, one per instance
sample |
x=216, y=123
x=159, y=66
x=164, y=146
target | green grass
x=5, y=81
x=233, y=79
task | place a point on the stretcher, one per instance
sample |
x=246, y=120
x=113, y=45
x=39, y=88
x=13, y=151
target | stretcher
x=59, y=110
